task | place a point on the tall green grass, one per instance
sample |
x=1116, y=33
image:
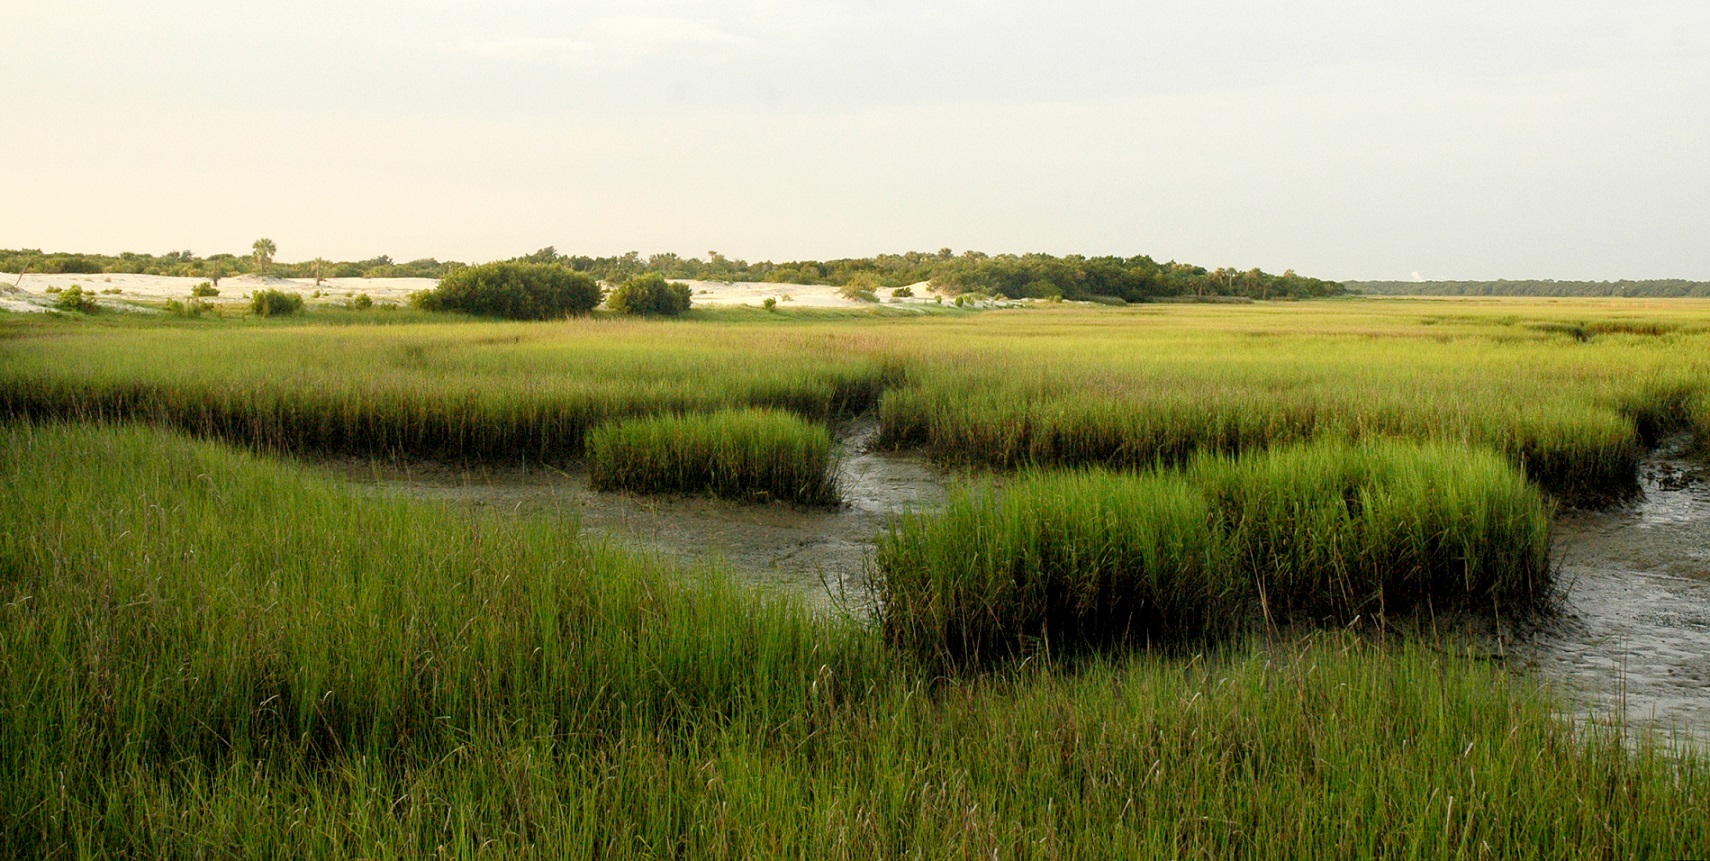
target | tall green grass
x=742, y=454
x=1318, y=534
x=206, y=654
x=1123, y=388
x=448, y=391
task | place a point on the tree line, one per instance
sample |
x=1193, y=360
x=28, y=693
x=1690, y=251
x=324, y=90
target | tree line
x=1015, y=276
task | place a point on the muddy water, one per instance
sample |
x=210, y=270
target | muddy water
x=1634, y=638
x=819, y=552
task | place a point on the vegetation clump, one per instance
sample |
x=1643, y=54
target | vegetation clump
x=650, y=294
x=1320, y=534
x=74, y=299
x=190, y=310
x=204, y=290
x=513, y=291
x=275, y=303
x=742, y=454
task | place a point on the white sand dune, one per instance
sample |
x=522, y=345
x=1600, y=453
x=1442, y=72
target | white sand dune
x=31, y=292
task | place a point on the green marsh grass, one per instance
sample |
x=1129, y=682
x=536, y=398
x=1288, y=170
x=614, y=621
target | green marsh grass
x=740, y=454
x=1044, y=386
x=207, y=654
x=1309, y=535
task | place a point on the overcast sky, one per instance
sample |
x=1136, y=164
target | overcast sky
x=1487, y=139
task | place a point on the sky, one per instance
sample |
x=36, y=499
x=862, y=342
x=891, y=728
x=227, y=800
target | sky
x=1345, y=140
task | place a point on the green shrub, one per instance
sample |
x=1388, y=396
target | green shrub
x=275, y=303
x=204, y=289
x=191, y=309
x=902, y=293
x=650, y=294
x=359, y=302
x=74, y=299
x=1316, y=534
x=731, y=453
x=514, y=291
x=770, y=304
x=855, y=293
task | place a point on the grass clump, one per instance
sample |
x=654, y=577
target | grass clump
x=513, y=291
x=651, y=294
x=741, y=454
x=275, y=303
x=1318, y=534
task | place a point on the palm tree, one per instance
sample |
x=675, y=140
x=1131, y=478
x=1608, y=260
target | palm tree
x=264, y=251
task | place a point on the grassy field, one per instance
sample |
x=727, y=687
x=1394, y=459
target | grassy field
x=1569, y=391
x=205, y=651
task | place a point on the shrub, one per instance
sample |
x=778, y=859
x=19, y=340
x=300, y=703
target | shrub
x=191, y=309
x=903, y=293
x=650, y=294
x=204, y=289
x=514, y=291
x=770, y=304
x=275, y=303
x=855, y=293
x=74, y=299
x=359, y=302
x=1315, y=534
x=730, y=453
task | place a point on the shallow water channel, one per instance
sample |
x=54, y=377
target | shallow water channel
x=1632, y=640
x=818, y=552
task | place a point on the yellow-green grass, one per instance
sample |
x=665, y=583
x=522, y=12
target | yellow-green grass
x=457, y=390
x=1325, y=533
x=1571, y=391
x=1147, y=386
x=205, y=654
x=740, y=454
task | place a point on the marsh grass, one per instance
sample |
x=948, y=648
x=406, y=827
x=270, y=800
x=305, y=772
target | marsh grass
x=207, y=654
x=1038, y=387
x=737, y=454
x=1320, y=534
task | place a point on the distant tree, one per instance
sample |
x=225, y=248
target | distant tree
x=320, y=270
x=275, y=303
x=264, y=249
x=650, y=294
x=516, y=291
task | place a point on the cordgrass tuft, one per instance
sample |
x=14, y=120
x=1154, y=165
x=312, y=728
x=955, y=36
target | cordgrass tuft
x=1323, y=533
x=738, y=454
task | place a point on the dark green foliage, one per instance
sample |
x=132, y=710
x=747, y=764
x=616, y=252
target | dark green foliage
x=204, y=289
x=1325, y=533
x=359, y=302
x=275, y=303
x=1016, y=276
x=513, y=291
x=650, y=294
x=74, y=299
x=740, y=454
